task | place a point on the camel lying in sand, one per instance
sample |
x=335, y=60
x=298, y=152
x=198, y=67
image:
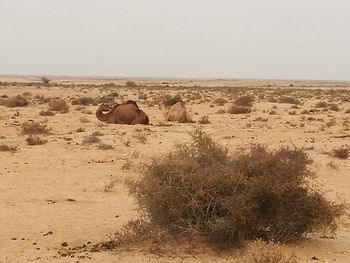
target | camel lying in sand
x=175, y=110
x=126, y=113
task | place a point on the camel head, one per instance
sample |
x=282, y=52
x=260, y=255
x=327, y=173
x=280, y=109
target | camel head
x=105, y=107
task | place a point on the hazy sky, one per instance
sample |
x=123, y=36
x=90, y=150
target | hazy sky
x=303, y=39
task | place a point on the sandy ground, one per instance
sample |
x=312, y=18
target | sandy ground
x=77, y=191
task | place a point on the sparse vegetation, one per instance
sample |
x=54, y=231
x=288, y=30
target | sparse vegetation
x=8, y=148
x=35, y=140
x=58, y=104
x=46, y=113
x=104, y=146
x=246, y=100
x=90, y=139
x=84, y=101
x=290, y=100
x=16, y=101
x=238, y=110
x=204, y=120
x=130, y=84
x=33, y=128
x=341, y=152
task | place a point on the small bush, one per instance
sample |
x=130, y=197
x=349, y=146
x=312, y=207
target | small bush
x=199, y=190
x=246, y=100
x=290, y=100
x=17, y=101
x=45, y=80
x=104, y=146
x=342, y=152
x=321, y=104
x=32, y=128
x=35, y=140
x=238, y=110
x=46, y=113
x=90, y=139
x=333, y=107
x=220, y=101
x=80, y=130
x=84, y=101
x=130, y=84
x=7, y=148
x=59, y=105
x=204, y=120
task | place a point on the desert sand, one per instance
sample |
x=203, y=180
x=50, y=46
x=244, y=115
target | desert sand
x=67, y=191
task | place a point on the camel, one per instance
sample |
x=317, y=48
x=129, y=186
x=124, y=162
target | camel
x=175, y=110
x=126, y=113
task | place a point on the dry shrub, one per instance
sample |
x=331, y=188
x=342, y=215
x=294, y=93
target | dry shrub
x=204, y=120
x=80, y=129
x=130, y=84
x=7, y=148
x=90, y=139
x=200, y=190
x=41, y=99
x=35, y=140
x=58, y=104
x=16, y=101
x=290, y=100
x=220, y=101
x=321, y=104
x=32, y=128
x=46, y=113
x=341, y=152
x=238, y=110
x=84, y=101
x=263, y=252
x=333, y=107
x=104, y=146
x=246, y=100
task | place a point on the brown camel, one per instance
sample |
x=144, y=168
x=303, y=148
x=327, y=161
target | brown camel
x=175, y=112
x=126, y=113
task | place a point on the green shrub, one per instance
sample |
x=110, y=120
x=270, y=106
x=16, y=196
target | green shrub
x=204, y=120
x=200, y=190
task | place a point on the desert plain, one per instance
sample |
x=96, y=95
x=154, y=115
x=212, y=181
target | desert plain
x=71, y=191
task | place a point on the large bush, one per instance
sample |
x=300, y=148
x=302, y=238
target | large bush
x=200, y=190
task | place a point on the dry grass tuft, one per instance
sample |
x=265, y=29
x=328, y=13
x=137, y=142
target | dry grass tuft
x=32, y=128
x=35, y=140
x=239, y=110
x=8, y=148
x=204, y=120
x=341, y=152
x=46, y=113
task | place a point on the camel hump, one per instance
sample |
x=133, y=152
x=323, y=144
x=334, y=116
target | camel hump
x=131, y=102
